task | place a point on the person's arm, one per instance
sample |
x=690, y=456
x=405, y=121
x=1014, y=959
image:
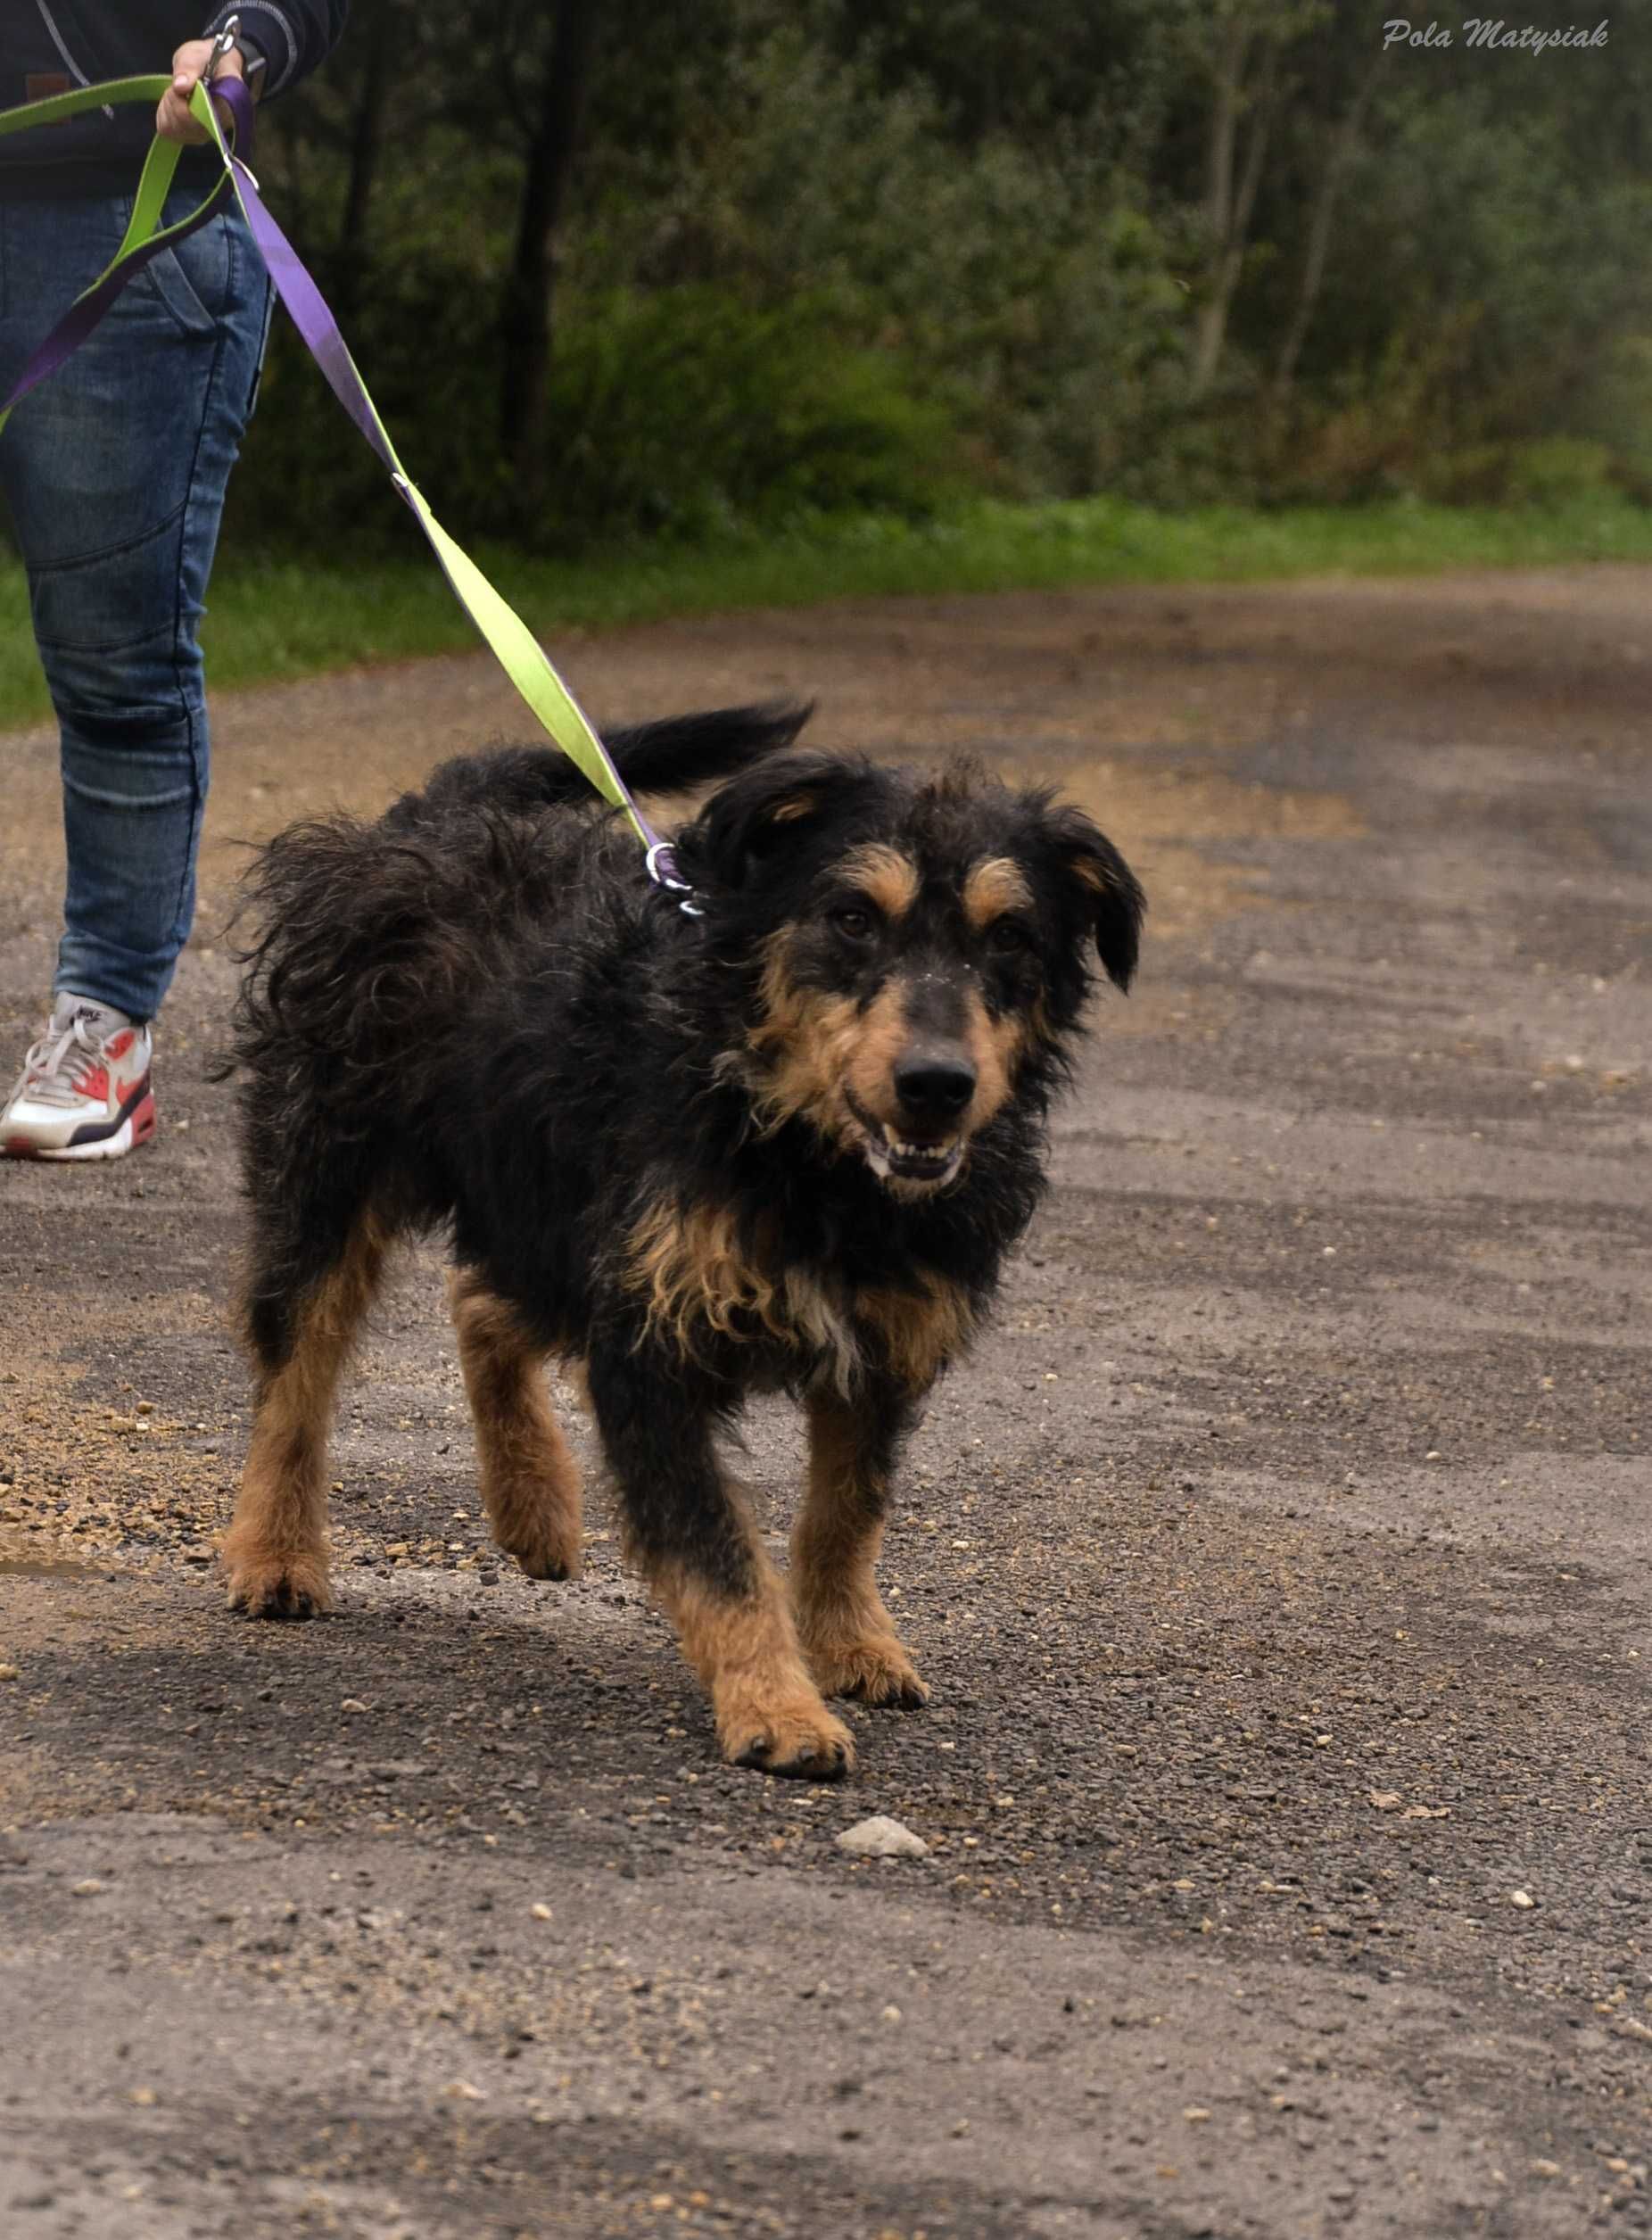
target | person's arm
x=292, y=39
x=294, y=36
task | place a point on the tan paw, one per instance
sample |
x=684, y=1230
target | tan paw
x=797, y=1738
x=536, y=1518
x=875, y=1669
x=269, y=1585
x=546, y=1555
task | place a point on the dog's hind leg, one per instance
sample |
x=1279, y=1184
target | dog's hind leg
x=274, y=1551
x=688, y=1533
x=529, y=1482
x=848, y=1634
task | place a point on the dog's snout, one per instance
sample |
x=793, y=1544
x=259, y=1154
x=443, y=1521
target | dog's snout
x=934, y=1086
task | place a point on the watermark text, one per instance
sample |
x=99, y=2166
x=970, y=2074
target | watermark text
x=1492, y=31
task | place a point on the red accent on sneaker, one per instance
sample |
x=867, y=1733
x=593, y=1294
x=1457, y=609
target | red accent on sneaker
x=143, y=1119
x=118, y=1046
x=95, y=1084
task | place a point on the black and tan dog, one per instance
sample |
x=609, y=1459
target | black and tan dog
x=783, y=1143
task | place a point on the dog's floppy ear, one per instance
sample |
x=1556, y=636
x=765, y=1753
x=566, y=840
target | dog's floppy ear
x=1104, y=888
x=764, y=812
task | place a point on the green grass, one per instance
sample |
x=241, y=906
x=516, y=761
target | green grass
x=277, y=619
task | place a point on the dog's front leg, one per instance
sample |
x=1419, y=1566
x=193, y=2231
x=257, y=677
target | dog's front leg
x=691, y=1538
x=848, y=1634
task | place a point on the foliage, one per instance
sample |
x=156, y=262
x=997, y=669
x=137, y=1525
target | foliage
x=840, y=254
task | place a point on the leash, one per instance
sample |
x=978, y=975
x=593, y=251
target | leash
x=518, y=652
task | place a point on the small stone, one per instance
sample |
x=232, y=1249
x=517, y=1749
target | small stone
x=1522, y=1898
x=881, y=1837
x=11, y=1672
x=1541, y=2168
x=1195, y=2115
x=891, y=2014
x=540, y=1911
x=1383, y=1799
x=352, y=1703
x=460, y=2089
x=90, y=1887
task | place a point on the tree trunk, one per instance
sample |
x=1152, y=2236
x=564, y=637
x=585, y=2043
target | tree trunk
x=1230, y=210
x=366, y=140
x=1344, y=139
x=525, y=325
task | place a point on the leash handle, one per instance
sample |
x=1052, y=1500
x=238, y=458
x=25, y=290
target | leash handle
x=518, y=652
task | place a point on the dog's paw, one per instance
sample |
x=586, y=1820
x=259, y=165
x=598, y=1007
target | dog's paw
x=269, y=1586
x=546, y=1558
x=874, y=1670
x=535, y=1519
x=798, y=1742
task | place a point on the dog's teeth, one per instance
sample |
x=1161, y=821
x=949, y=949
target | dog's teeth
x=892, y=1158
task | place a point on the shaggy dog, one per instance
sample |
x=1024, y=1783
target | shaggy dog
x=781, y=1143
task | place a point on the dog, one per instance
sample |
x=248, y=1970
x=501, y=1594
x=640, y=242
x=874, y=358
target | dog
x=781, y=1140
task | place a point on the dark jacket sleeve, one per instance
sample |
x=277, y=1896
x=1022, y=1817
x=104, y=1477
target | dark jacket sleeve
x=296, y=35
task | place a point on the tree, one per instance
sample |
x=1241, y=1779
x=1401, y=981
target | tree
x=1241, y=46
x=1341, y=142
x=526, y=315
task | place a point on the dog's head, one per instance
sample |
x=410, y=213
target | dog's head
x=912, y=950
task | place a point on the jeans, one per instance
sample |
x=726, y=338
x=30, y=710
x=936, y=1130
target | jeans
x=114, y=472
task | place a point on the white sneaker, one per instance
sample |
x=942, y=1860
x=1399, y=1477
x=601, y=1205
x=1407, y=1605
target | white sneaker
x=83, y=1091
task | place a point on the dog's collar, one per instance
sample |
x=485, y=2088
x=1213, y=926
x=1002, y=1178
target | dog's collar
x=662, y=865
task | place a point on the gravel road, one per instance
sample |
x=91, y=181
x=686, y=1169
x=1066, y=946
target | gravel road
x=1280, y=1563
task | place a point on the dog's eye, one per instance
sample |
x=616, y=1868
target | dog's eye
x=1007, y=937
x=852, y=922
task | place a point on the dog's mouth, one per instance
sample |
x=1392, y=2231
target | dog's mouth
x=893, y=1158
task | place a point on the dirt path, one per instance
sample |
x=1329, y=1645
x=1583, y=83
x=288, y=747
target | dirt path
x=1282, y=1562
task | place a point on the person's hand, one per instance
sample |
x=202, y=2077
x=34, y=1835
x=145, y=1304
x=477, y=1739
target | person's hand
x=173, y=120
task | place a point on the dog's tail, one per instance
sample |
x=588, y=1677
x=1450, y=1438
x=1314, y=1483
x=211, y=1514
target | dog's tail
x=669, y=757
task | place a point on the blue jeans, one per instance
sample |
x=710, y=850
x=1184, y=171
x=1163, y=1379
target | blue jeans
x=114, y=472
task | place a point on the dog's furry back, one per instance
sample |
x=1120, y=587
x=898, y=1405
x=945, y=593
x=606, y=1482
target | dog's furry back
x=367, y=929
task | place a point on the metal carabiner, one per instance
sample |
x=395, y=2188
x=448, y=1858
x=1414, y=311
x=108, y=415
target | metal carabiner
x=662, y=868
x=221, y=47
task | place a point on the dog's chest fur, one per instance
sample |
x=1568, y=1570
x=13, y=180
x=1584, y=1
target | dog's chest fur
x=709, y=1278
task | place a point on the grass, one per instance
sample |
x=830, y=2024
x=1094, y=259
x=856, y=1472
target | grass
x=274, y=619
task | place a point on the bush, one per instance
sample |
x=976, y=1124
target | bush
x=1025, y=293
x=685, y=411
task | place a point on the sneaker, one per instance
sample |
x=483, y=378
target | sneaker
x=84, y=1090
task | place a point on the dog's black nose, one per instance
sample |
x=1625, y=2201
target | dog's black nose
x=934, y=1088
